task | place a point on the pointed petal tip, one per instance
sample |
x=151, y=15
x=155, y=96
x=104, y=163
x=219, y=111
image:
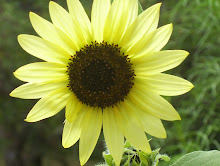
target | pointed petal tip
x=16, y=74
x=27, y=120
x=148, y=150
x=174, y=117
x=82, y=163
x=65, y=145
x=19, y=38
x=170, y=25
x=31, y=14
x=178, y=118
x=187, y=53
x=192, y=86
x=157, y=7
x=51, y=3
x=12, y=94
x=182, y=52
x=31, y=119
x=158, y=4
x=164, y=135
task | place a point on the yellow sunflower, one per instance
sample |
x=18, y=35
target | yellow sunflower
x=107, y=71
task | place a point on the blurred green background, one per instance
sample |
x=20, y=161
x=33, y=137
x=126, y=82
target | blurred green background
x=196, y=29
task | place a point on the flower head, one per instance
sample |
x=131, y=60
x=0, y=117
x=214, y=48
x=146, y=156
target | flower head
x=106, y=72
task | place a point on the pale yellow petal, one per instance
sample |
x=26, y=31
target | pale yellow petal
x=150, y=123
x=81, y=19
x=156, y=62
x=100, y=9
x=73, y=106
x=49, y=105
x=153, y=43
x=51, y=33
x=113, y=136
x=165, y=84
x=131, y=128
x=37, y=90
x=91, y=128
x=62, y=19
x=41, y=72
x=153, y=103
x=72, y=130
x=121, y=15
x=43, y=49
x=145, y=23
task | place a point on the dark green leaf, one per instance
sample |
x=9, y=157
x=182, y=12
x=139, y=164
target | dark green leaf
x=108, y=158
x=200, y=158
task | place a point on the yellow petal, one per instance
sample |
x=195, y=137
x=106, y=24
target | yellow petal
x=100, y=9
x=113, y=136
x=73, y=106
x=145, y=23
x=91, y=128
x=153, y=103
x=154, y=43
x=41, y=72
x=72, y=130
x=62, y=19
x=165, y=84
x=121, y=15
x=49, y=105
x=156, y=62
x=81, y=19
x=151, y=124
x=51, y=33
x=36, y=90
x=131, y=128
x=43, y=49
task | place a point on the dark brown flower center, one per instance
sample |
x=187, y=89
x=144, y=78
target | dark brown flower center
x=100, y=75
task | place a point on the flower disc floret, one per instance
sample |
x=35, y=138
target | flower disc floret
x=100, y=75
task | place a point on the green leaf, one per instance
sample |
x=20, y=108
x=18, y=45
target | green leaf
x=127, y=163
x=200, y=158
x=140, y=9
x=154, y=153
x=108, y=158
x=164, y=157
x=127, y=144
x=143, y=159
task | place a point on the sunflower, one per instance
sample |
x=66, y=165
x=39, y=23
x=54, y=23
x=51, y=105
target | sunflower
x=107, y=71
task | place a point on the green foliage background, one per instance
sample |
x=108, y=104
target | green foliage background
x=196, y=29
